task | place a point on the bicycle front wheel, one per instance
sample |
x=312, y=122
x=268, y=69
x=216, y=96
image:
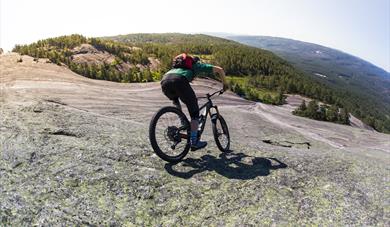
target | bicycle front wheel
x=221, y=132
x=169, y=134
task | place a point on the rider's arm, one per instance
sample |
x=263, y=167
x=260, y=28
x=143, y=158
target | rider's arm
x=218, y=70
x=208, y=69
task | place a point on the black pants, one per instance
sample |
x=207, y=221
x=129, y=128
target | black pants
x=175, y=87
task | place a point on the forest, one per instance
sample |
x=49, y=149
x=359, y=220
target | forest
x=322, y=112
x=59, y=51
x=254, y=73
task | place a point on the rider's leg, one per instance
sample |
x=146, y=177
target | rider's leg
x=176, y=103
x=169, y=88
x=195, y=142
x=194, y=130
x=187, y=95
x=194, y=125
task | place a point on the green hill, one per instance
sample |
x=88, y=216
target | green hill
x=258, y=74
x=364, y=87
x=254, y=73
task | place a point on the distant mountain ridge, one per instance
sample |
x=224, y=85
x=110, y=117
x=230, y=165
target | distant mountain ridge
x=341, y=71
x=313, y=58
x=283, y=45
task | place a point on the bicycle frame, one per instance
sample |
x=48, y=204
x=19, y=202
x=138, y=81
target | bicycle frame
x=171, y=133
x=207, y=111
x=203, y=117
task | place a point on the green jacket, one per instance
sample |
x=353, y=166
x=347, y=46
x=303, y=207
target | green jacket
x=197, y=68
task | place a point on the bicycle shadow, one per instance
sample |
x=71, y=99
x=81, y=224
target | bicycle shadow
x=230, y=165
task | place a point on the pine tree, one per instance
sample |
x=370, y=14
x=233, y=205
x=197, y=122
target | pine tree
x=312, y=109
x=321, y=113
x=302, y=107
x=332, y=113
x=344, y=117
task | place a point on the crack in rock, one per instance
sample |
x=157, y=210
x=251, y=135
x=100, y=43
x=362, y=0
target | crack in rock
x=62, y=132
x=289, y=144
x=56, y=101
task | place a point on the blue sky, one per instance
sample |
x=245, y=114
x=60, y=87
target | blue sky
x=358, y=27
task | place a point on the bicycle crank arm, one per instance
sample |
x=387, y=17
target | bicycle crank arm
x=183, y=136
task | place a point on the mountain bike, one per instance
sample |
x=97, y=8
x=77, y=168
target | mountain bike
x=169, y=130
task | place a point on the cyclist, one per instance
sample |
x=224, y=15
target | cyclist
x=176, y=85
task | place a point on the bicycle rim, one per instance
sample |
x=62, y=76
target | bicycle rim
x=221, y=134
x=169, y=134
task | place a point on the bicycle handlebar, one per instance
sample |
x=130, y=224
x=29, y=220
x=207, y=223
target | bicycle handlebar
x=219, y=92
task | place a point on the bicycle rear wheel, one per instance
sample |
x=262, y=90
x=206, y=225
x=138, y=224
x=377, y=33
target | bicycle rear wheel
x=169, y=134
x=221, y=132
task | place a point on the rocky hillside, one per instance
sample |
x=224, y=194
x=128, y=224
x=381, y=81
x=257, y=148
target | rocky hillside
x=75, y=151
